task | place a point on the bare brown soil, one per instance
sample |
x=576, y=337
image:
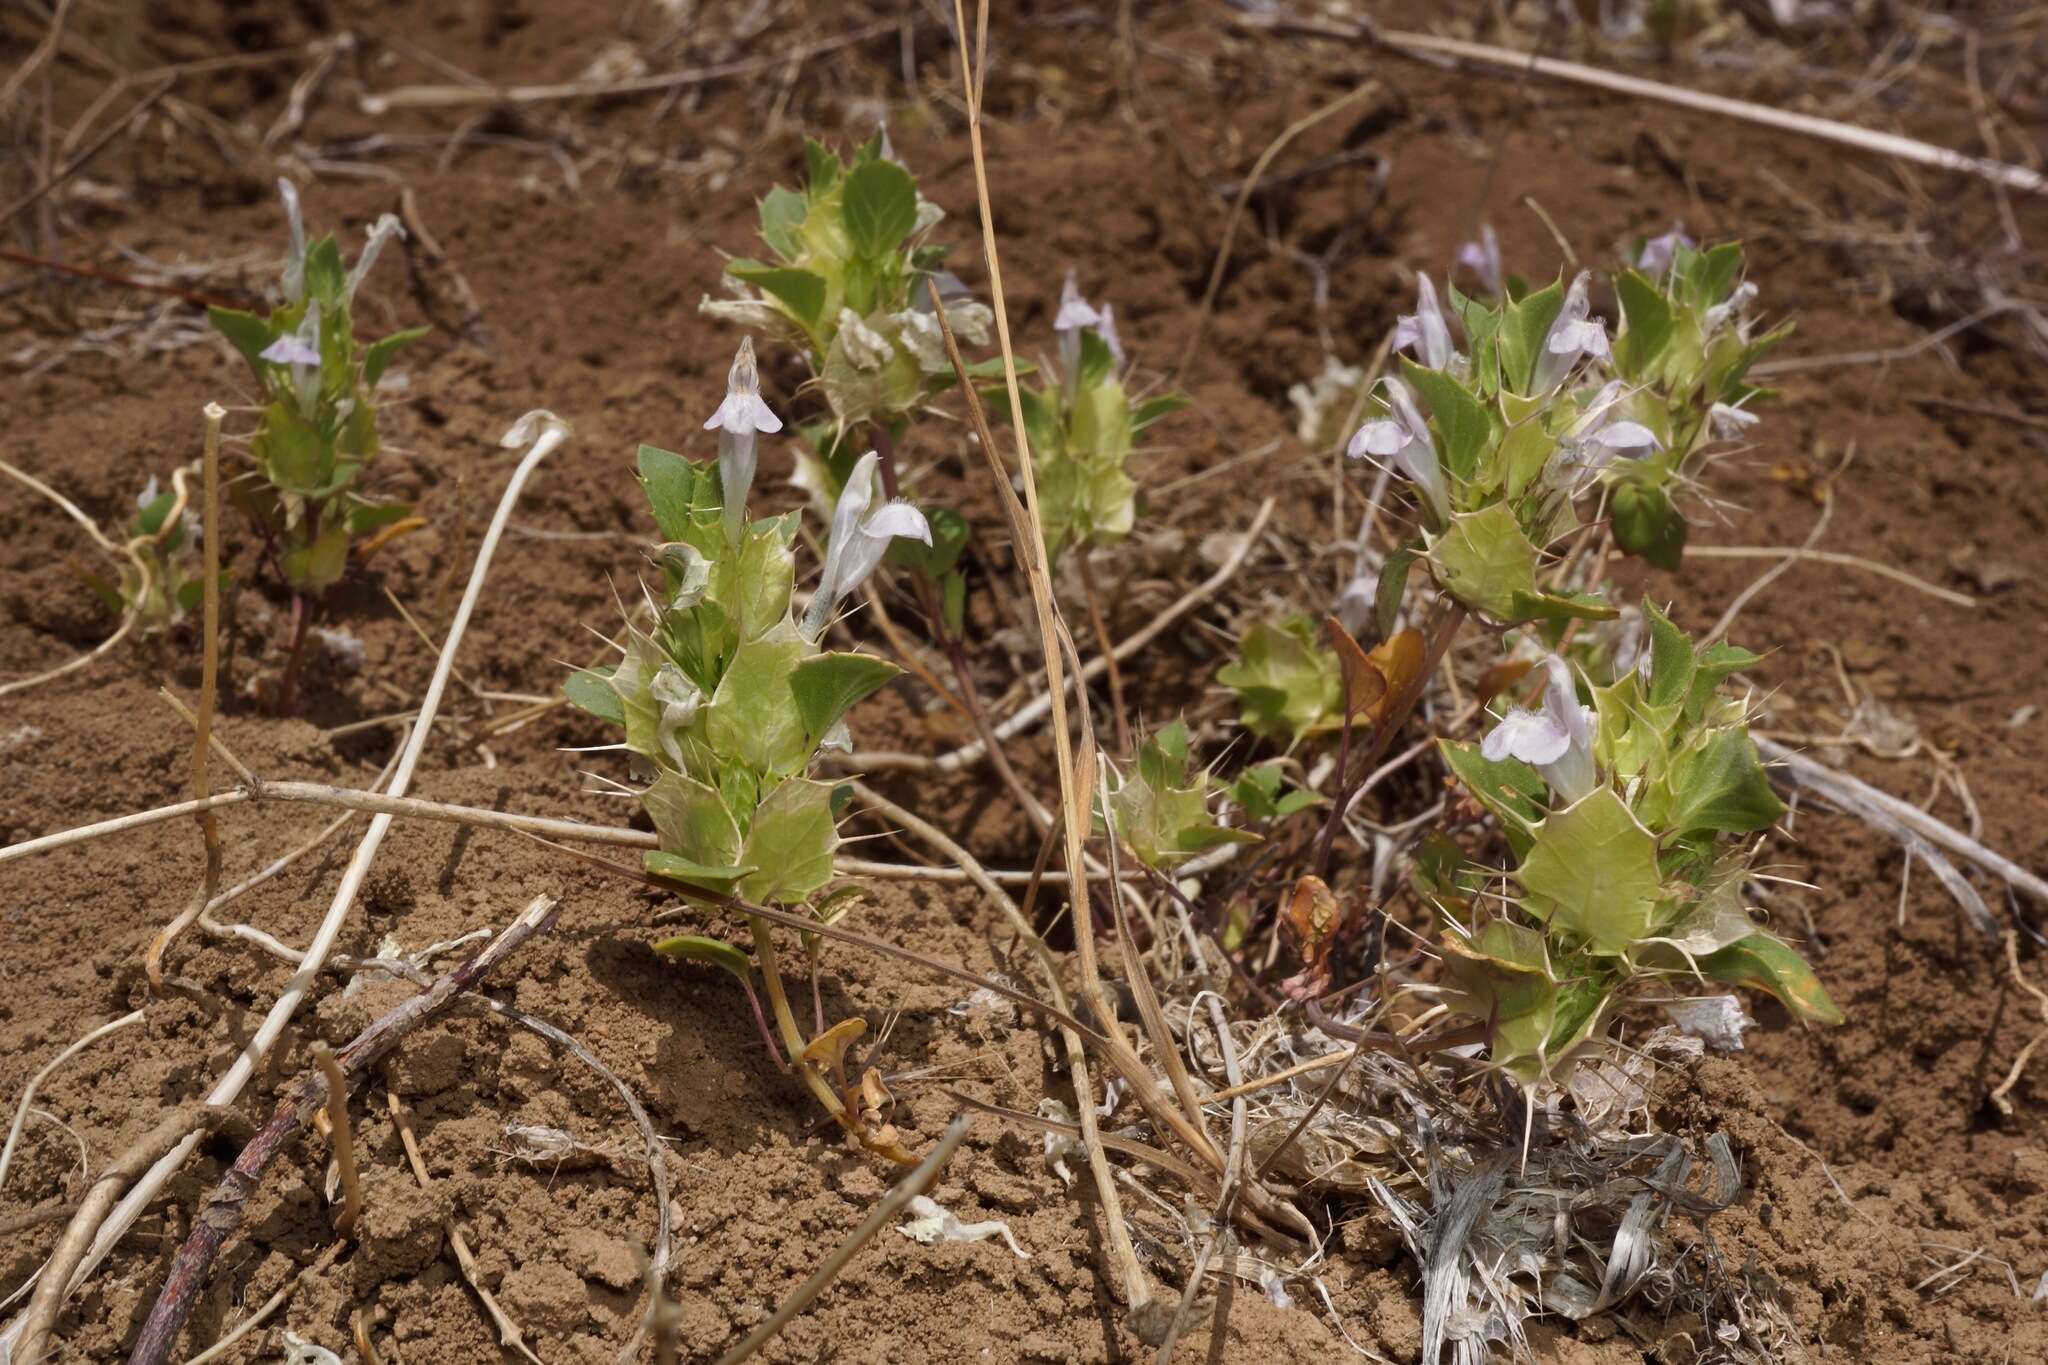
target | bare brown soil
x=1872, y=1155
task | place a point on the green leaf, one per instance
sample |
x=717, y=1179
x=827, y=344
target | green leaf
x=246, y=332
x=1672, y=662
x=671, y=484
x=1286, y=683
x=800, y=291
x=675, y=868
x=822, y=166
x=1720, y=786
x=366, y=517
x=1763, y=962
x=1523, y=327
x=692, y=820
x=319, y=566
x=1393, y=584
x=782, y=213
x=1715, y=273
x=1646, y=325
x=1566, y=606
x=753, y=715
x=1512, y=790
x=1716, y=665
x=829, y=685
x=295, y=456
x=1152, y=409
x=379, y=354
x=791, y=843
x=712, y=952
x=150, y=519
x=880, y=208
x=1464, y=426
x=1647, y=525
x=1485, y=561
x=325, y=274
x=590, y=690
x=1592, y=872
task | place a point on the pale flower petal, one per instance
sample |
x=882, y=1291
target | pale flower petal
x=1534, y=737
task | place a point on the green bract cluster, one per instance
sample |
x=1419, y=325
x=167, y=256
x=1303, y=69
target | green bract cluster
x=1502, y=438
x=846, y=286
x=1629, y=822
x=1686, y=346
x=174, y=583
x=727, y=701
x=318, y=429
x=1161, y=808
x=1082, y=425
x=1288, y=686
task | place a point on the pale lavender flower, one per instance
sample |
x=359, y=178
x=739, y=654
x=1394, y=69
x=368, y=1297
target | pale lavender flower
x=1403, y=438
x=1482, y=258
x=289, y=350
x=737, y=421
x=301, y=352
x=383, y=231
x=1739, y=299
x=1600, y=433
x=294, y=282
x=1426, y=331
x=1075, y=315
x=1572, y=334
x=1656, y=255
x=1106, y=329
x=859, y=539
x=1557, y=741
x=1729, y=422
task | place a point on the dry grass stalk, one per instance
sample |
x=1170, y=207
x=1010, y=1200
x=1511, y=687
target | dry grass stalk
x=202, y=728
x=341, y=1139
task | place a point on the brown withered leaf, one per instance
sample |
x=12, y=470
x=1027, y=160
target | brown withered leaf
x=1312, y=919
x=1399, y=660
x=1364, y=683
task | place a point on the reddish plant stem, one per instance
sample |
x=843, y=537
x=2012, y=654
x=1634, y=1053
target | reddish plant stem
x=288, y=690
x=222, y=1212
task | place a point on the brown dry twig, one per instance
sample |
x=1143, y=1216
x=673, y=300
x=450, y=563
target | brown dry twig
x=2019, y=1063
x=41, y=1315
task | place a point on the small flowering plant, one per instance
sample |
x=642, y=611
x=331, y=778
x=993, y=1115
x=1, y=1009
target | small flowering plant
x=174, y=583
x=727, y=697
x=318, y=428
x=845, y=285
x=1631, y=822
x=1083, y=424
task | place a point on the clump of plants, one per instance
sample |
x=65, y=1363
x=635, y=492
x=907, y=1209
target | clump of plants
x=1630, y=808
x=726, y=698
x=316, y=435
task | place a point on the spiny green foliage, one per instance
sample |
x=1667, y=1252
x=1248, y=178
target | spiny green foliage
x=726, y=701
x=318, y=429
x=1083, y=425
x=1161, y=809
x=1288, y=684
x=1631, y=841
x=846, y=285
